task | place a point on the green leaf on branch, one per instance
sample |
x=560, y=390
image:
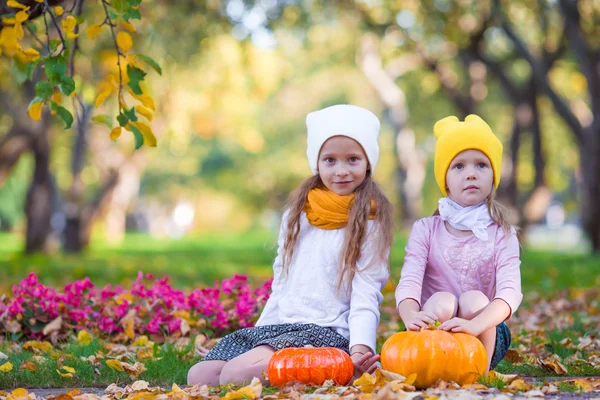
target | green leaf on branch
x=136, y=75
x=129, y=9
x=67, y=85
x=23, y=71
x=119, y=5
x=44, y=89
x=56, y=68
x=66, y=116
x=122, y=119
x=125, y=116
x=150, y=62
x=139, y=138
x=132, y=14
x=54, y=43
x=131, y=115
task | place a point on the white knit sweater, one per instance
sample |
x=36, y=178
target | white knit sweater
x=309, y=294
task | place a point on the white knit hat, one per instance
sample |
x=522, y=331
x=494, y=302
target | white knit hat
x=342, y=120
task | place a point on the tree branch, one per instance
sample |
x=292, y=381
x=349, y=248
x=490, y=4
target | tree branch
x=112, y=30
x=583, y=53
x=540, y=74
x=78, y=4
x=49, y=11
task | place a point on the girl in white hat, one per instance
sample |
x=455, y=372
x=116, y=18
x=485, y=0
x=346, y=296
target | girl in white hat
x=332, y=260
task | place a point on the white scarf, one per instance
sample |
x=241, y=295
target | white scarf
x=473, y=218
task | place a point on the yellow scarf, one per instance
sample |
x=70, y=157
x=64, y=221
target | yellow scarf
x=327, y=210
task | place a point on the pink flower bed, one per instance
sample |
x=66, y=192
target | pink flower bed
x=154, y=306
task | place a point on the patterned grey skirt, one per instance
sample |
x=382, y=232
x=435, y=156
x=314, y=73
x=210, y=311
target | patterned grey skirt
x=279, y=337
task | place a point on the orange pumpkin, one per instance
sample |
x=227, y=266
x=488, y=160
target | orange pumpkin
x=433, y=355
x=310, y=365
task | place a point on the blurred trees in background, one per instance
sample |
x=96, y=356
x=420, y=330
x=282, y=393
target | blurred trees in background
x=240, y=76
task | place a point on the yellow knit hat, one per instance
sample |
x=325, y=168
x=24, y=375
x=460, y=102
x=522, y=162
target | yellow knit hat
x=454, y=136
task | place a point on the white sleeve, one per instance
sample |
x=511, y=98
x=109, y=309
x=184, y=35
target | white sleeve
x=366, y=297
x=270, y=313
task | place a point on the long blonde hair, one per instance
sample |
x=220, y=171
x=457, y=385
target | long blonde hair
x=498, y=213
x=356, y=229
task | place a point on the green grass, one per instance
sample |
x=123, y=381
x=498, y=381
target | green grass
x=169, y=365
x=198, y=261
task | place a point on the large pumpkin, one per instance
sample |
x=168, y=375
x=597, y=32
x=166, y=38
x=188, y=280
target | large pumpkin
x=433, y=355
x=310, y=365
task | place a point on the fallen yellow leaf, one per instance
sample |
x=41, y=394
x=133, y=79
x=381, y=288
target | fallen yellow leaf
x=115, y=364
x=29, y=366
x=35, y=344
x=144, y=354
x=68, y=374
x=475, y=386
x=84, y=337
x=252, y=391
x=18, y=394
x=552, y=364
x=519, y=384
x=410, y=379
x=141, y=341
x=134, y=370
x=6, y=367
x=583, y=384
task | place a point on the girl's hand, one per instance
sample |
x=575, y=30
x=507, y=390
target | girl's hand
x=202, y=351
x=364, y=363
x=462, y=325
x=420, y=319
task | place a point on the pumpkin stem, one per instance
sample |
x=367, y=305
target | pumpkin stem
x=432, y=327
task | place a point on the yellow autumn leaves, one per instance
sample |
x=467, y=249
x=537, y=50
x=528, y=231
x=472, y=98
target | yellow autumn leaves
x=128, y=78
x=12, y=33
x=44, y=350
x=124, y=41
x=69, y=24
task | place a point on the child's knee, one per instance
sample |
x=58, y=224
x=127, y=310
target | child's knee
x=443, y=305
x=471, y=303
x=231, y=373
x=205, y=373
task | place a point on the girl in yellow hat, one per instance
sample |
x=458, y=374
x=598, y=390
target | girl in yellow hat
x=462, y=265
x=332, y=260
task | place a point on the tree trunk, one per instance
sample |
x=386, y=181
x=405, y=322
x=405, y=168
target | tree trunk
x=40, y=196
x=78, y=220
x=590, y=191
x=80, y=215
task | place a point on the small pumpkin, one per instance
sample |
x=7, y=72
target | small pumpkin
x=310, y=365
x=435, y=354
